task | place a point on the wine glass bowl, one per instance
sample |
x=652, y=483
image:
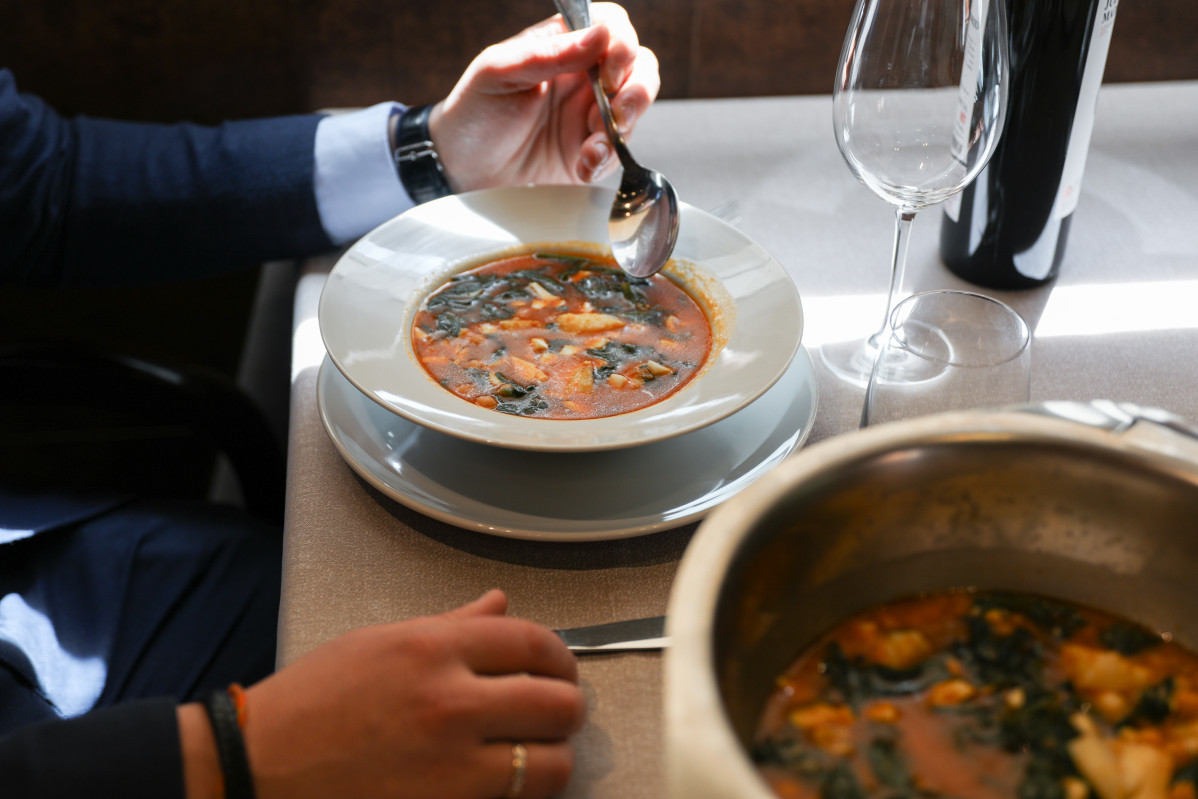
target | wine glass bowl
x=918, y=109
x=901, y=158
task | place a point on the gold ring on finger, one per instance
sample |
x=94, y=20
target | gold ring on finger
x=515, y=785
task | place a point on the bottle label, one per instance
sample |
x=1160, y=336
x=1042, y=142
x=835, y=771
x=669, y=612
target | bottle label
x=1083, y=120
x=968, y=92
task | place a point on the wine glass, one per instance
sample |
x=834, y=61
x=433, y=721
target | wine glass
x=920, y=97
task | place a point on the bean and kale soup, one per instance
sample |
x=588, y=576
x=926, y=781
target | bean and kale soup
x=984, y=696
x=561, y=336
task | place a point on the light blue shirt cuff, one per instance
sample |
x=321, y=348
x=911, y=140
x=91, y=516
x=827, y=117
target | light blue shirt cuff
x=356, y=184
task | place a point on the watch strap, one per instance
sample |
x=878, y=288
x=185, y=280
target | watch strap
x=416, y=158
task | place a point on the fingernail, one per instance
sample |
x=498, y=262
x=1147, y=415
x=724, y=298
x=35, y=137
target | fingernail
x=627, y=118
x=603, y=151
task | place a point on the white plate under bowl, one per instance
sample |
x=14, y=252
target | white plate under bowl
x=567, y=496
x=373, y=292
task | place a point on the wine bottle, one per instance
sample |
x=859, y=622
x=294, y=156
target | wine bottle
x=1009, y=227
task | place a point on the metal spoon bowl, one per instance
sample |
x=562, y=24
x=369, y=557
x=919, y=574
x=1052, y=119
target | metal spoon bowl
x=643, y=225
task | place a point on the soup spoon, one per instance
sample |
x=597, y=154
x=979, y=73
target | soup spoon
x=643, y=224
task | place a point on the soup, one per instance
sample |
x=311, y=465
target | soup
x=561, y=336
x=984, y=696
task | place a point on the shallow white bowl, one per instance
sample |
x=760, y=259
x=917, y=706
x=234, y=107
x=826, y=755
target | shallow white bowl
x=375, y=289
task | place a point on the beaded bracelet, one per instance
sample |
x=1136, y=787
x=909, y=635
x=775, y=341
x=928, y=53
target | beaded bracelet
x=226, y=712
x=237, y=694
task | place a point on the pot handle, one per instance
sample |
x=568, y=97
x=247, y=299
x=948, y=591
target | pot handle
x=1158, y=430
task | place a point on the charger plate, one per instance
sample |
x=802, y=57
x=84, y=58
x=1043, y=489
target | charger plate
x=567, y=496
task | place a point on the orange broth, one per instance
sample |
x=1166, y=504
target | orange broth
x=984, y=696
x=561, y=336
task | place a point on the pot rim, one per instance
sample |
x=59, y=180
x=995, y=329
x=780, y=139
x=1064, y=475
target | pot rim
x=706, y=759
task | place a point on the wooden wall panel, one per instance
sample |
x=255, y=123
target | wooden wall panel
x=365, y=51
x=155, y=59
x=766, y=48
x=756, y=47
x=1154, y=40
x=208, y=60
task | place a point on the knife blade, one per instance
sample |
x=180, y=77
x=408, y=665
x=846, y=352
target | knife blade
x=617, y=636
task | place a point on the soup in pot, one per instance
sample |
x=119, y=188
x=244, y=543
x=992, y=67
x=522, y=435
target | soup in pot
x=976, y=695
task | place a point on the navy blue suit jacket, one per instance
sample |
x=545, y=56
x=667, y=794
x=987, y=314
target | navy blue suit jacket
x=92, y=201
x=95, y=201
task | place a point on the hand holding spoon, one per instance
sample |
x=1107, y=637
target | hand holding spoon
x=643, y=225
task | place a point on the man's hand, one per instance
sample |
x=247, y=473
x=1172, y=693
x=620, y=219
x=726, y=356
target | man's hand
x=429, y=707
x=524, y=111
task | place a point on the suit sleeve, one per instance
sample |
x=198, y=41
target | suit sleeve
x=130, y=750
x=99, y=202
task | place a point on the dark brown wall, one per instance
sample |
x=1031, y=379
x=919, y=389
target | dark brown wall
x=214, y=59
x=208, y=60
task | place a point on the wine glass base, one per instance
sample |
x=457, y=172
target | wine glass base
x=851, y=361
x=854, y=361
x=924, y=353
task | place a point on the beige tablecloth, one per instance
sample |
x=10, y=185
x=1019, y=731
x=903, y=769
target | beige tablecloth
x=1120, y=323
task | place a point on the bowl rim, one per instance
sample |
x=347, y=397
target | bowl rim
x=374, y=289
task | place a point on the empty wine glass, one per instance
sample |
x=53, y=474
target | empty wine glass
x=920, y=97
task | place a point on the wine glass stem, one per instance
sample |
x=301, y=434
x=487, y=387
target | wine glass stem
x=902, y=240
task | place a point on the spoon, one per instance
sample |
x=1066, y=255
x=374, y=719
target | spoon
x=643, y=225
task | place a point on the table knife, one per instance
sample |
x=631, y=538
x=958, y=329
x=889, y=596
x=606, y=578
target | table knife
x=617, y=636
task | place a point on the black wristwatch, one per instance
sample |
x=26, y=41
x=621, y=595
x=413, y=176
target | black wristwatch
x=416, y=158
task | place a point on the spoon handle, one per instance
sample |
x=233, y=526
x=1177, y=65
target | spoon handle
x=577, y=14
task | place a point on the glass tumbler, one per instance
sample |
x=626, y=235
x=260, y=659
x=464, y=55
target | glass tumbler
x=948, y=350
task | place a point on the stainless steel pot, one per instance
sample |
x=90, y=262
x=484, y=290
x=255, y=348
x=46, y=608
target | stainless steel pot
x=1095, y=503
